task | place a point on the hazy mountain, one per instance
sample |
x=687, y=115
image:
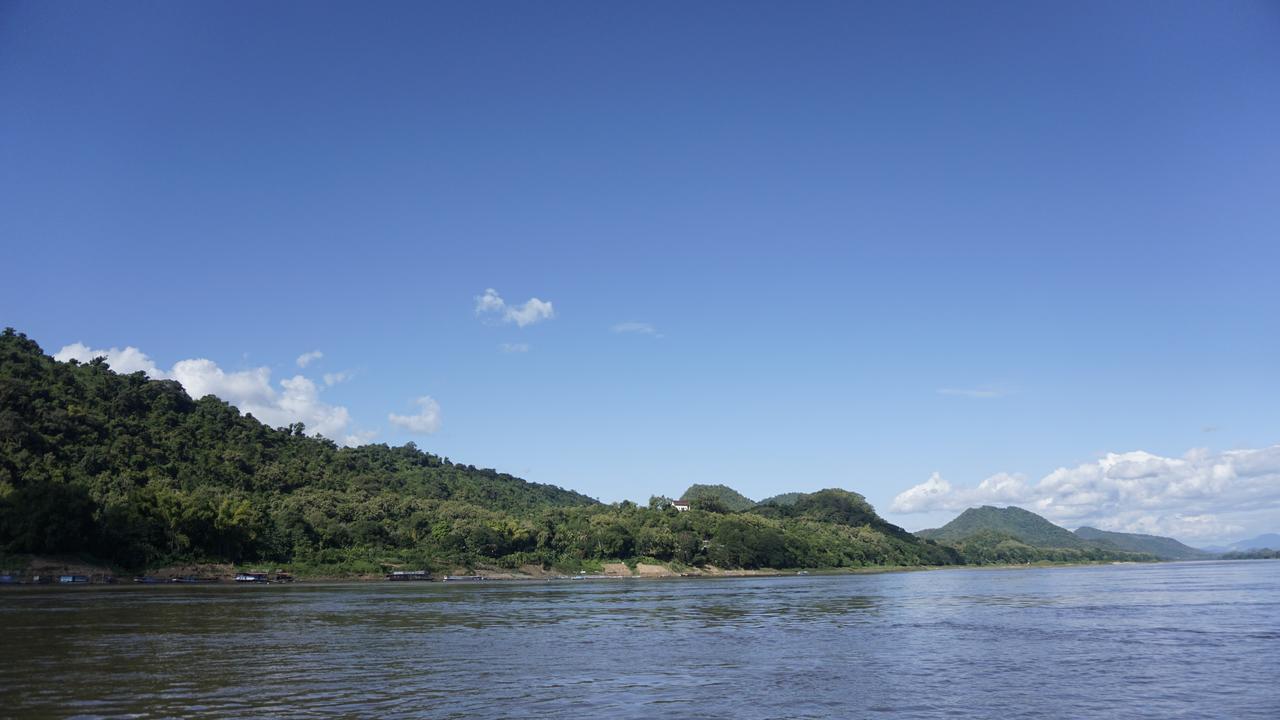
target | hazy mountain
x=1270, y=541
x=1165, y=548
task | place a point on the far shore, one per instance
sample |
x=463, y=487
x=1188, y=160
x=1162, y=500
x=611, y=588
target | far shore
x=50, y=571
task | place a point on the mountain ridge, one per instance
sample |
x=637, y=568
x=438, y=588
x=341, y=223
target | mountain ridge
x=1165, y=548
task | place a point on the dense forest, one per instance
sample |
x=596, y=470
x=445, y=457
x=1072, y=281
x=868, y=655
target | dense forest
x=132, y=471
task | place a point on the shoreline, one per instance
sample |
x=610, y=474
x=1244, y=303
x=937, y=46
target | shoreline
x=44, y=572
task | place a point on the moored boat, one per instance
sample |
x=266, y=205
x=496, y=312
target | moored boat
x=403, y=575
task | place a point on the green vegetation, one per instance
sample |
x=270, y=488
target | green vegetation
x=1024, y=526
x=718, y=498
x=132, y=471
x=988, y=535
x=1254, y=554
x=789, y=498
x=987, y=547
x=1164, y=548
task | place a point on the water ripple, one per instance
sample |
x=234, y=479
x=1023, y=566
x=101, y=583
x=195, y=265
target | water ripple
x=1172, y=640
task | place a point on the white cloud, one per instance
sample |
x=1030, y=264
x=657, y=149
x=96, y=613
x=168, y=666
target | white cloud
x=331, y=379
x=295, y=399
x=514, y=347
x=306, y=358
x=359, y=438
x=490, y=301
x=425, y=422
x=982, y=392
x=126, y=361
x=532, y=311
x=637, y=328
x=1201, y=495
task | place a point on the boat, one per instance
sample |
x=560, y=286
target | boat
x=405, y=575
x=73, y=579
x=464, y=578
x=256, y=576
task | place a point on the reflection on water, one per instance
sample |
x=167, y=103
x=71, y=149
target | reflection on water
x=1186, y=639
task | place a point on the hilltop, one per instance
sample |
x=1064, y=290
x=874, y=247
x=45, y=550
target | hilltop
x=787, y=498
x=1021, y=525
x=723, y=496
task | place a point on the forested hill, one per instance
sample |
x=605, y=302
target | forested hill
x=1000, y=535
x=1022, y=525
x=718, y=496
x=1165, y=548
x=133, y=471
x=93, y=460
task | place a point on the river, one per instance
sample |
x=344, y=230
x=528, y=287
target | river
x=1193, y=640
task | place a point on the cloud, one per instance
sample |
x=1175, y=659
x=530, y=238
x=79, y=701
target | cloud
x=126, y=361
x=331, y=379
x=982, y=392
x=425, y=422
x=490, y=301
x=295, y=399
x=532, y=311
x=359, y=438
x=636, y=328
x=1197, y=496
x=306, y=358
x=513, y=347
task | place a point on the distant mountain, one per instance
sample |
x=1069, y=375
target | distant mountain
x=1269, y=541
x=730, y=499
x=1022, y=525
x=1012, y=535
x=1165, y=548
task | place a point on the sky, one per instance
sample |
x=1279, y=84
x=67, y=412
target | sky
x=940, y=254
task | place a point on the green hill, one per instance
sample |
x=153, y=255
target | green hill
x=1021, y=525
x=133, y=471
x=789, y=498
x=832, y=505
x=728, y=498
x=1164, y=548
x=1012, y=535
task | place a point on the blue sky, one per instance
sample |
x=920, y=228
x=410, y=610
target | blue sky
x=784, y=247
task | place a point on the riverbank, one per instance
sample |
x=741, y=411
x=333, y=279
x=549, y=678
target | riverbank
x=29, y=570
